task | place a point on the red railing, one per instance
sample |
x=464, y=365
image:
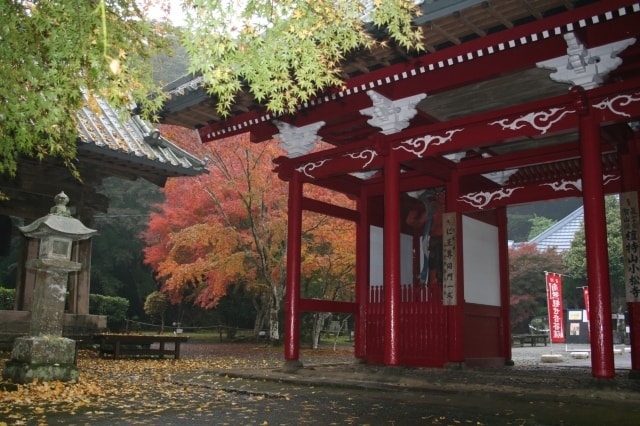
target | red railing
x=423, y=326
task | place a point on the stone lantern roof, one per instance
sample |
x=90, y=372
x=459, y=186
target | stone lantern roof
x=58, y=222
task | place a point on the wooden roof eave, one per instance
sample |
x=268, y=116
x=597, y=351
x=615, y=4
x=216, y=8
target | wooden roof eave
x=541, y=35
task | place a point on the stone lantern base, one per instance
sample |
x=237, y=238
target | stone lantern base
x=46, y=358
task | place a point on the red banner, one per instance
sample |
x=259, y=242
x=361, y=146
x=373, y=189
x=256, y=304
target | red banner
x=554, y=304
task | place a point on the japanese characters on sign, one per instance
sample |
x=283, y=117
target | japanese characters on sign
x=630, y=231
x=554, y=303
x=449, y=259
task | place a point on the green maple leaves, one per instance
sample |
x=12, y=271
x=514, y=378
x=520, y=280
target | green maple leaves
x=285, y=51
x=52, y=55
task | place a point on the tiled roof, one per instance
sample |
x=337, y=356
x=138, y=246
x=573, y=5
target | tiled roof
x=102, y=127
x=562, y=233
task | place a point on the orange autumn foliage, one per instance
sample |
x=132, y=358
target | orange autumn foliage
x=230, y=225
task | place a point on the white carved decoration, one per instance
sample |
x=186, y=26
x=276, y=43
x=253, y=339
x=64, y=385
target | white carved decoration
x=570, y=185
x=482, y=198
x=391, y=116
x=565, y=185
x=609, y=178
x=307, y=168
x=365, y=154
x=541, y=120
x=618, y=101
x=297, y=141
x=585, y=67
x=418, y=146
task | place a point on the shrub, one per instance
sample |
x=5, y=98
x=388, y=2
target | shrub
x=7, y=298
x=115, y=308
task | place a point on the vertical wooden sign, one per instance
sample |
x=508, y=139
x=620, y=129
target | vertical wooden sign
x=630, y=240
x=449, y=259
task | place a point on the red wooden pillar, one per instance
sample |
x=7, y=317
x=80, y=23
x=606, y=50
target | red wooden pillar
x=391, y=259
x=455, y=314
x=294, y=242
x=505, y=286
x=602, y=365
x=631, y=183
x=362, y=275
x=634, y=336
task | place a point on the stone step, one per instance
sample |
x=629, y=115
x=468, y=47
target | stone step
x=551, y=358
x=580, y=355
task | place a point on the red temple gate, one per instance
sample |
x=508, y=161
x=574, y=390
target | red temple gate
x=489, y=118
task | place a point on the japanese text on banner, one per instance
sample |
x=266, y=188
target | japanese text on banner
x=554, y=303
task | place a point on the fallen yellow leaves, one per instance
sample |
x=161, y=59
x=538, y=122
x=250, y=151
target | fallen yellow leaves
x=148, y=388
x=130, y=385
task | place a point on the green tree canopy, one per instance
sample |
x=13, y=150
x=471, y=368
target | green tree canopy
x=57, y=56
x=117, y=267
x=287, y=50
x=539, y=224
x=576, y=257
x=528, y=288
x=156, y=306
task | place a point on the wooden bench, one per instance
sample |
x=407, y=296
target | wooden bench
x=531, y=339
x=120, y=345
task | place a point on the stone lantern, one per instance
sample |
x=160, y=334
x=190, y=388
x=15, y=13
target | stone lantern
x=45, y=354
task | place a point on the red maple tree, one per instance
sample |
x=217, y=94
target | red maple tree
x=230, y=225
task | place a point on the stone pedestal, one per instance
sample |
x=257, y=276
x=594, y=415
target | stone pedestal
x=46, y=355
x=47, y=316
x=45, y=358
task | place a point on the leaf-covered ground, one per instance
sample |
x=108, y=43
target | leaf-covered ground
x=141, y=386
x=241, y=384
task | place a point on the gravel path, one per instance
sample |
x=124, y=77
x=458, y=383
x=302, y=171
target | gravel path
x=571, y=378
x=571, y=355
x=259, y=354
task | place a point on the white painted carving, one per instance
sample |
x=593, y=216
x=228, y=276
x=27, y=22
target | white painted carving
x=418, y=146
x=391, y=116
x=541, y=120
x=297, y=141
x=482, y=198
x=606, y=179
x=585, y=67
x=570, y=185
x=618, y=101
x=307, y=168
x=565, y=185
x=366, y=154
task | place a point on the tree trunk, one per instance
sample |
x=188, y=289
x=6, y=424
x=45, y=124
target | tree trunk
x=261, y=314
x=319, y=319
x=274, y=333
x=274, y=310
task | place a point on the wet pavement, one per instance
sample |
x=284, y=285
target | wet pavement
x=532, y=392
x=337, y=390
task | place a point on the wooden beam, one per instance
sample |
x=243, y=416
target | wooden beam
x=329, y=209
x=318, y=305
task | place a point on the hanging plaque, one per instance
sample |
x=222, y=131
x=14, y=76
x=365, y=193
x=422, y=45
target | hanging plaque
x=449, y=259
x=630, y=241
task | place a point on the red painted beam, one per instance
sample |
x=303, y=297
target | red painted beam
x=614, y=103
x=495, y=54
x=329, y=209
x=319, y=305
x=520, y=194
